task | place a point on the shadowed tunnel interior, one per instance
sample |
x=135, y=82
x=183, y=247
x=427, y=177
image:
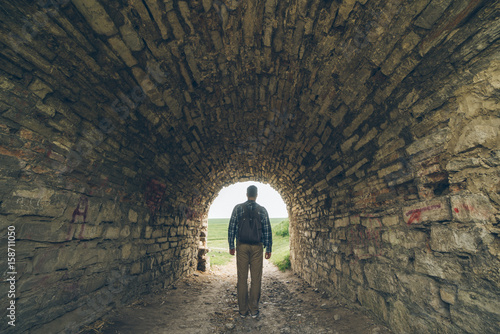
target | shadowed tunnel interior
x=377, y=121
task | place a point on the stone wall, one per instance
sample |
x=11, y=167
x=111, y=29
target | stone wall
x=86, y=241
x=417, y=241
x=376, y=121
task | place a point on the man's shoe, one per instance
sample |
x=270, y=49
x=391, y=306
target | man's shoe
x=255, y=315
x=242, y=315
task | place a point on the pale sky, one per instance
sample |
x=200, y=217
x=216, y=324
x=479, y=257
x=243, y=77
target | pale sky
x=230, y=196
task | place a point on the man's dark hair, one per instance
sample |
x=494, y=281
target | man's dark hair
x=252, y=191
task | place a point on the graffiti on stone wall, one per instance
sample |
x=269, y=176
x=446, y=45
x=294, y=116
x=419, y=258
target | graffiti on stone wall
x=31, y=204
x=80, y=210
x=78, y=216
x=467, y=209
x=416, y=214
x=191, y=210
x=365, y=242
x=154, y=194
x=436, y=210
x=36, y=198
x=475, y=208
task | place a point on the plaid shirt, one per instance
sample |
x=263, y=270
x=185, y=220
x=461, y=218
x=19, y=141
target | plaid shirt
x=267, y=237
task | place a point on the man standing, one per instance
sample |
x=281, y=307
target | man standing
x=250, y=225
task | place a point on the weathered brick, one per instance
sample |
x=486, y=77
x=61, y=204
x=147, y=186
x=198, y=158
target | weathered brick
x=343, y=222
x=123, y=51
x=447, y=268
x=479, y=132
x=472, y=208
x=97, y=17
x=409, y=239
x=432, y=13
x=367, y=111
x=112, y=232
x=450, y=239
x=427, y=211
x=40, y=88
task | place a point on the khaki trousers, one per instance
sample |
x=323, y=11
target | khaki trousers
x=249, y=256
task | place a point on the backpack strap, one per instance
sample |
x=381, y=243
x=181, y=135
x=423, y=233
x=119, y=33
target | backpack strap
x=250, y=211
x=256, y=210
x=247, y=212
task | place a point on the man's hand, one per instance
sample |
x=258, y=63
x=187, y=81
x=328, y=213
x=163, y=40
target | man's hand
x=231, y=251
x=268, y=256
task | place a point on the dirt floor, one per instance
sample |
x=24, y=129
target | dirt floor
x=206, y=303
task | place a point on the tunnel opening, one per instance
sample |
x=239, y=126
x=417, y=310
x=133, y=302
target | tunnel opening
x=220, y=213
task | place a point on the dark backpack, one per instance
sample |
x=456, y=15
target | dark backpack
x=250, y=226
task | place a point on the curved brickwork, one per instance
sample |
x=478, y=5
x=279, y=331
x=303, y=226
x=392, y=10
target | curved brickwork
x=377, y=121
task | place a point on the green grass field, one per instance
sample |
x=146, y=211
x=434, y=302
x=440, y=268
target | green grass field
x=219, y=247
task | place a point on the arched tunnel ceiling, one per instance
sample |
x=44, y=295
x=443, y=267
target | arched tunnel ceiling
x=282, y=91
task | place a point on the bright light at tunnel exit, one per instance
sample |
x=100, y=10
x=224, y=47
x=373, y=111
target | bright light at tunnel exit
x=228, y=197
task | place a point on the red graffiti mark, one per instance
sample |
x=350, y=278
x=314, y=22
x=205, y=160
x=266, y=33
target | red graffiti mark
x=80, y=235
x=69, y=234
x=415, y=217
x=427, y=208
x=366, y=242
x=155, y=191
x=81, y=209
x=468, y=208
x=416, y=213
x=191, y=212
